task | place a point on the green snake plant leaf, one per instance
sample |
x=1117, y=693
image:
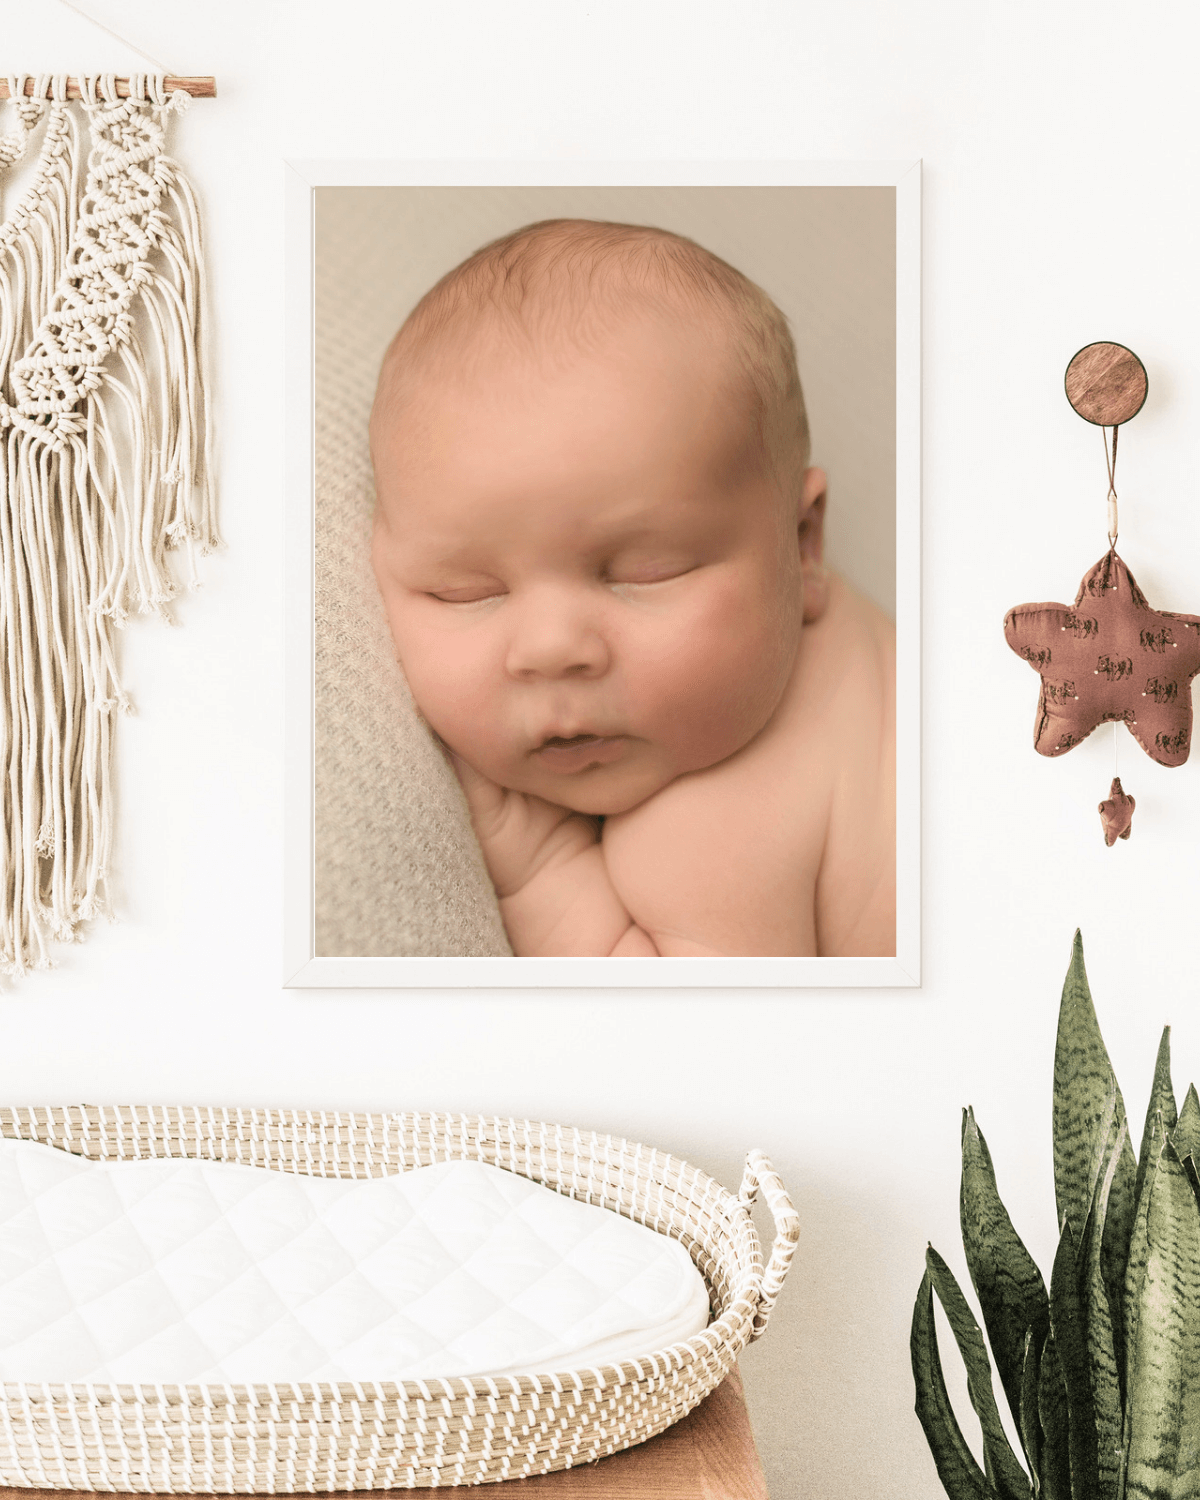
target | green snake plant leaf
x=1085, y=1095
x=1100, y=1329
x=1000, y=1462
x=1139, y=1250
x=1011, y=1292
x=1164, y=1389
x=1162, y=1101
x=1087, y=1101
x=1028, y=1420
x=1186, y=1139
x=1191, y=1165
x=1117, y=1233
x=1185, y=1136
x=960, y=1474
x=1055, y=1471
x=1068, y=1325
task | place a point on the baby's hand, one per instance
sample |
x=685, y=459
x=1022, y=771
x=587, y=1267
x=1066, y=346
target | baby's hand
x=521, y=836
x=548, y=868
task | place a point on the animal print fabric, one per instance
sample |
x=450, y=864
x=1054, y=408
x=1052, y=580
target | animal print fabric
x=1110, y=657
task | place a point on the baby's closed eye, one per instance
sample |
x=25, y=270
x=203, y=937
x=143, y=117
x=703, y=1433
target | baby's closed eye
x=644, y=573
x=470, y=593
x=620, y=576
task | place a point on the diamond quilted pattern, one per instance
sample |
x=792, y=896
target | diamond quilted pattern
x=184, y=1271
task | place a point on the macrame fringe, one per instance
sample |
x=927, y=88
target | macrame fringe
x=106, y=467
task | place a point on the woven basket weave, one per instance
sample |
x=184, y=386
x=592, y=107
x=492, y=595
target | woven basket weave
x=306, y=1438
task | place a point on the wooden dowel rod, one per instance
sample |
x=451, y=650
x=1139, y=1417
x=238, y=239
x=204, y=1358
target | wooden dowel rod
x=199, y=88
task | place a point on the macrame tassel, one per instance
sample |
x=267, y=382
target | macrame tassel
x=105, y=424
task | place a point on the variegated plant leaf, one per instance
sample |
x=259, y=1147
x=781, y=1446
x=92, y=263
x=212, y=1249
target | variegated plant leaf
x=1135, y=1270
x=1114, y=1249
x=1000, y=1462
x=1085, y=1088
x=1099, y=1325
x=1191, y=1165
x=1070, y=1343
x=1028, y=1420
x=1164, y=1390
x=1055, y=1471
x=1011, y=1292
x=1185, y=1137
x=960, y=1474
x=1162, y=1102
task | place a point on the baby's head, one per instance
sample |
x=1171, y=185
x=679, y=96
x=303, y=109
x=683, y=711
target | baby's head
x=597, y=534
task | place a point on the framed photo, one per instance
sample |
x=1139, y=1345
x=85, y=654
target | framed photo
x=385, y=884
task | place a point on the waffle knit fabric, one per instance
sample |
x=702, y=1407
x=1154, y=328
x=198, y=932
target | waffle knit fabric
x=398, y=870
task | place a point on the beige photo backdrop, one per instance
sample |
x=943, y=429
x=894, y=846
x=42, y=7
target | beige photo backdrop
x=398, y=871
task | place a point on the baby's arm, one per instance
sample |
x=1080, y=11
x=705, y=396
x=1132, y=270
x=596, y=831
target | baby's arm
x=548, y=869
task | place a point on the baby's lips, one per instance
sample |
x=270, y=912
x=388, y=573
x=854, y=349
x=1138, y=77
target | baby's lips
x=580, y=752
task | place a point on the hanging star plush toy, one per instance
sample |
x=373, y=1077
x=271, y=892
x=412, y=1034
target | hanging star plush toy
x=1116, y=813
x=1109, y=657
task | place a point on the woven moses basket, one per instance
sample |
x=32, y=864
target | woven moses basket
x=307, y=1438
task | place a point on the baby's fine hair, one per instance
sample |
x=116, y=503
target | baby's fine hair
x=577, y=273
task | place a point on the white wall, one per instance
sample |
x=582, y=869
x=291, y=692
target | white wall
x=1061, y=191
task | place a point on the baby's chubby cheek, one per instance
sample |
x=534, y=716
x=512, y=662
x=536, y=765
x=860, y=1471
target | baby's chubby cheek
x=708, y=691
x=462, y=698
x=711, y=699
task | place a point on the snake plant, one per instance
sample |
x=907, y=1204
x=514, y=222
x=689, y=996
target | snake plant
x=1101, y=1371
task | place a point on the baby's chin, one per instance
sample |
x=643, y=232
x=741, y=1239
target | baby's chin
x=600, y=801
x=603, y=791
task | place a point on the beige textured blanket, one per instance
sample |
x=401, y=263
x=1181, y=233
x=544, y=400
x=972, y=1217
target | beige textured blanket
x=398, y=871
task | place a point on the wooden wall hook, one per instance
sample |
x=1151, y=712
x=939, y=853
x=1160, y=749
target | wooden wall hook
x=1106, y=384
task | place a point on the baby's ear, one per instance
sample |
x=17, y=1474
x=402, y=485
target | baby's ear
x=811, y=537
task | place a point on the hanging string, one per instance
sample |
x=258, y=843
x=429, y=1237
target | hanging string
x=116, y=35
x=1110, y=461
x=1116, y=750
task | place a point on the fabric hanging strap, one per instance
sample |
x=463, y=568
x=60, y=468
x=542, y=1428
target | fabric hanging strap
x=1110, y=460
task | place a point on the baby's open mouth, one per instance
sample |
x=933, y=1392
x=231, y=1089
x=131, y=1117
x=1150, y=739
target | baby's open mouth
x=579, y=752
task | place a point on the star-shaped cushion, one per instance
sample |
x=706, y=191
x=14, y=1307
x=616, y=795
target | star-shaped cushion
x=1116, y=813
x=1110, y=657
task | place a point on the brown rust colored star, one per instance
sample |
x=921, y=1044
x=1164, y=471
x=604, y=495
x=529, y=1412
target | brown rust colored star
x=1110, y=657
x=1116, y=813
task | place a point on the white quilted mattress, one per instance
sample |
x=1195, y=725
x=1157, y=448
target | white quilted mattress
x=208, y=1272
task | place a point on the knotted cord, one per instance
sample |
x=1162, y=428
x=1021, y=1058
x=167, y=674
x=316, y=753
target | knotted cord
x=104, y=427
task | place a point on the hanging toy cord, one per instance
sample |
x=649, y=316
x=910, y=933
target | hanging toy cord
x=1111, y=464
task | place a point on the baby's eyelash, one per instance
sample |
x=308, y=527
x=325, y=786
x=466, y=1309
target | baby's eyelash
x=448, y=598
x=641, y=583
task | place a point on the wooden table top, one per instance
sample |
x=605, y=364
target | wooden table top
x=709, y=1455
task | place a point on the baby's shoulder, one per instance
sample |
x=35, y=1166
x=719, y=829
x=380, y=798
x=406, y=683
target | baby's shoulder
x=850, y=693
x=846, y=669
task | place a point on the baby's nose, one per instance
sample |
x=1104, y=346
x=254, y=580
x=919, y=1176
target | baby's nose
x=553, y=638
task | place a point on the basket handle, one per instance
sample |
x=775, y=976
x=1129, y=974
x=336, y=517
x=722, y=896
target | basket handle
x=760, y=1173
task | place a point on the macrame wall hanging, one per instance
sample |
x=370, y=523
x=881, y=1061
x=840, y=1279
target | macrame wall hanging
x=1109, y=657
x=105, y=463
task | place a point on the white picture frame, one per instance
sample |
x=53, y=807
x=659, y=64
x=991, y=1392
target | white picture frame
x=302, y=967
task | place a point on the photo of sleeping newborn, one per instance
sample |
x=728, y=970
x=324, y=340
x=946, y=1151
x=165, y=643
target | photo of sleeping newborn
x=598, y=537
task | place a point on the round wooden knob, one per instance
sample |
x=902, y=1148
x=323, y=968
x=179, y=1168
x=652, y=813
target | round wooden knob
x=1106, y=384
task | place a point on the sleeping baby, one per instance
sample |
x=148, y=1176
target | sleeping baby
x=599, y=543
